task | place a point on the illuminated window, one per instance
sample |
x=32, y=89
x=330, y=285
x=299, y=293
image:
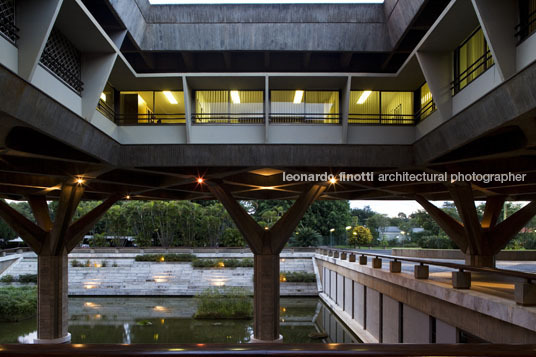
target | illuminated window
x=427, y=105
x=471, y=59
x=229, y=107
x=151, y=107
x=304, y=107
x=378, y=107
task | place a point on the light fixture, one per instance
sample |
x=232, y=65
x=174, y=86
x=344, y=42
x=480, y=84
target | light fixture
x=170, y=97
x=103, y=97
x=333, y=180
x=200, y=180
x=348, y=228
x=298, y=96
x=364, y=97
x=235, y=97
x=79, y=180
x=266, y=228
x=332, y=230
x=267, y=188
x=127, y=197
x=141, y=101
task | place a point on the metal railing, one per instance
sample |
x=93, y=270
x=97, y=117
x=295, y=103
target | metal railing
x=457, y=84
x=382, y=119
x=228, y=118
x=525, y=28
x=149, y=119
x=301, y=118
x=62, y=72
x=7, y=25
x=528, y=277
x=267, y=349
x=106, y=110
x=425, y=111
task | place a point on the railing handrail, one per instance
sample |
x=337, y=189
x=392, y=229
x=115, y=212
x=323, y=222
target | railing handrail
x=465, y=74
x=512, y=273
x=280, y=349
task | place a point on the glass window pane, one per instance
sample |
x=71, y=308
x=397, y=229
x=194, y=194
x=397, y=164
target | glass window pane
x=397, y=107
x=229, y=107
x=364, y=107
x=136, y=107
x=322, y=105
x=169, y=107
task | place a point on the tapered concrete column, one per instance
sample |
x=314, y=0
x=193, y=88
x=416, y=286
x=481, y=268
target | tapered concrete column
x=480, y=260
x=52, y=286
x=266, y=297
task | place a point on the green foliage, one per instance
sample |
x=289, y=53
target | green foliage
x=104, y=264
x=7, y=279
x=167, y=257
x=87, y=264
x=299, y=277
x=17, y=303
x=232, y=238
x=359, y=236
x=225, y=263
x=436, y=242
x=76, y=264
x=375, y=222
x=28, y=278
x=305, y=237
x=99, y=240
x=224, y=303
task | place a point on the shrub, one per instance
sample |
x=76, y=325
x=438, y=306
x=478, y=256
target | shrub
x=167, y=258
x=76, y=264
x=7, y=279
x=104, y=264
x=223, y=263
x=87, y=264
x=299, y=277
x=114, y=265
x=17, y=303
x=232, y=238
x=224, y=303
x=305, y=237
x=28, y=278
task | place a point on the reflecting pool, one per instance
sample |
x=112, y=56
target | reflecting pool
x=169, y=320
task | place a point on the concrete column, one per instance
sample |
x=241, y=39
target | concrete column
x=461, y=279
x=52, y=304
x=266, y=297
x=395, y=266
x=376, y=263
x=421, y=272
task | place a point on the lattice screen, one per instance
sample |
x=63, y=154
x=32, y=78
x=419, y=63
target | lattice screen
x=61, y=57
x=7, y=19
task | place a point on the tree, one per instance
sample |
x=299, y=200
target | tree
x=305, y=237
x=359, y=236
x=376, y=222
x=232, y=238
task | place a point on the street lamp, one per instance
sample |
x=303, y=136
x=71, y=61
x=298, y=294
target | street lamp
x=331, y=236
x=403, y=233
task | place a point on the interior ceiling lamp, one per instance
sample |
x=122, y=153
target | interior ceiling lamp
x=364, y=97
x=298, y=96
x=235, y=97
x=170, y=97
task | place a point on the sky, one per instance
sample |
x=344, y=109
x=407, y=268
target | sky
x=391, y=208
x=197, y=2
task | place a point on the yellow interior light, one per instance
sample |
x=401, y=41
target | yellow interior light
x=235, y=97
x=298, y=96
x=364, y=97
x=170, y=97
x=103, y=97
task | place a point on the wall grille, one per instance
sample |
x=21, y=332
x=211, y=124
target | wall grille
x=7, y=20
x=63, y=59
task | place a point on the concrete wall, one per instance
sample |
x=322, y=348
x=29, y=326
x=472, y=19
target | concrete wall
x=394, y=308
x=9, y=55
x=475, y=90
x=55, y=88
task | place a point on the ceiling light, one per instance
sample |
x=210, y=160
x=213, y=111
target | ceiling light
x=79, y=180
x=235, y=97
x=298, y=96
x=170, y=97
x=333, y=180
x=200, y=180
x=141, y=101
x=103, y=97
x=267, y=188
x=127, y=197
x=364, y=97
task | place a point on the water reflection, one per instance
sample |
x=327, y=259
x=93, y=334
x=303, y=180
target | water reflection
x=169, y=320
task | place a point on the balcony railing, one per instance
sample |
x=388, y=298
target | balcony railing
x=425, y=111
x=149, y=119
x=228, y=118
x=382, y=119
x=485, y=61
x=300, y=118
x=526, y=27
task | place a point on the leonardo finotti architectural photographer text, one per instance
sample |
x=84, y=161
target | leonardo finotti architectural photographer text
x=406, y=177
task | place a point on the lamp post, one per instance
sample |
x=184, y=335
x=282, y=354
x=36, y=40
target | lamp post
x=331, y=236
x=403, y=237
x=347, y=229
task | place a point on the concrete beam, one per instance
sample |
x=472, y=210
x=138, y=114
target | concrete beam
x=96, y=69
x=498, y=20
x=437, y=70
x=34, y=31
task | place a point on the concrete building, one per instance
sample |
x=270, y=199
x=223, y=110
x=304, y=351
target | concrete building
x=121, y=99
